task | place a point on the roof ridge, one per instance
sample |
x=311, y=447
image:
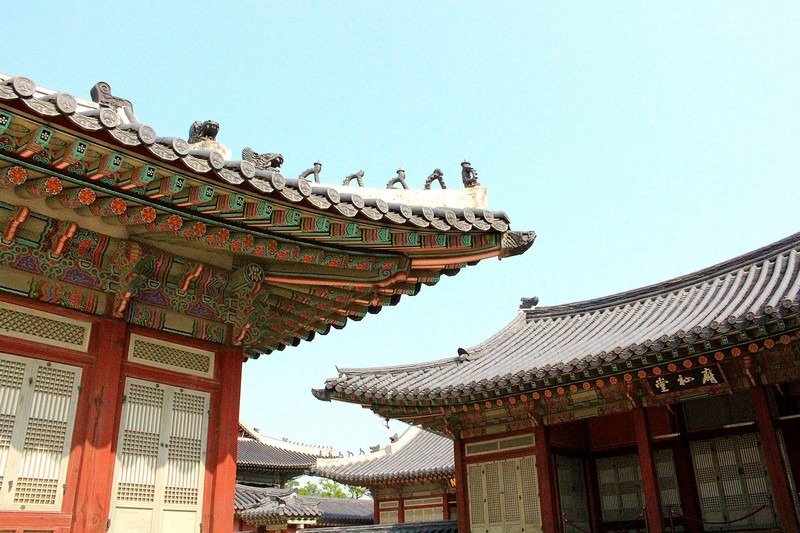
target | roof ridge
x=399, y=368
x=764, y=253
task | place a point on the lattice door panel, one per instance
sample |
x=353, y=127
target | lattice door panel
x=667, y=482
x=160, y=459
x=477, y=497
x=572, y=493
x=37, y=410
x=46, y=445
x=137, y=454
x=186, y=447
x=12, y=374
x=504, y=496
x=732, y=481
x=620, y=485
x=389, y=517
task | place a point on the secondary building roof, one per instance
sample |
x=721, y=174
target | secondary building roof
x=260, y=506
x=417, y=455
x=706, y=310
x=259, y=455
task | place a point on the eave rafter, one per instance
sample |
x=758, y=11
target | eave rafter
x=107, y=217
x=765, y=354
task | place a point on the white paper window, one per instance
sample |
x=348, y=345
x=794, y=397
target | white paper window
x=37, y=412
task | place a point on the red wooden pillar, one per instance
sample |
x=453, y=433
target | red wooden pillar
x=93, y=501
x=376, y=513
x=445, y=507
x=687, y=485
x=647, y=463
x=462, y=492
x=777, y=475
x=551, y=518
x=226, y=436
x=401, y=510
x=593, y=494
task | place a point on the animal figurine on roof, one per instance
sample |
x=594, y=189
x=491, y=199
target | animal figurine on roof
x=203, y=131
x=316, y=169
x=469, y=175
x=101, y=93
x=358, y=176
x=436, y=175
x=400, y=178
x=267, y=161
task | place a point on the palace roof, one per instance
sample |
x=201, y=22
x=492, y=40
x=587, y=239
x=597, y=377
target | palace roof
x=441, y=526
x=173, y=234
x=259, y=455
x=263, y=506
x=706, y=310
x=417, y=455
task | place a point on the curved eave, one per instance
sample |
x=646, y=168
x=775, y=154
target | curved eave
x=82, y=162
x=755, y=297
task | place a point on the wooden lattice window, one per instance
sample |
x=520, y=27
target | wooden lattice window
x=37, y=411
x=504, y=496
x=171, y=356
x=572, y=493
x=44, y=328
x=619, y=481
x=389, y=517
x=732, y=481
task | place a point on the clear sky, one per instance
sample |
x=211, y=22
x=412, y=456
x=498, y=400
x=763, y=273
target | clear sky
x=641, y=141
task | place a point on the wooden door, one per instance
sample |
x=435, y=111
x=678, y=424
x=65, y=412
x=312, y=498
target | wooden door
x=161, y=452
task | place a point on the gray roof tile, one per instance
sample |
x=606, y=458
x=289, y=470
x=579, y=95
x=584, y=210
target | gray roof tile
x=425, y=455
x=756, y=288
x=256, y=454
x=270, y=505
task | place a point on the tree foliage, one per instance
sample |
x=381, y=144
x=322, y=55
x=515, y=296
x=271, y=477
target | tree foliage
x=326, y=488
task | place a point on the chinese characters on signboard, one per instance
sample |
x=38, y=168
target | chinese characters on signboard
x=694, y=378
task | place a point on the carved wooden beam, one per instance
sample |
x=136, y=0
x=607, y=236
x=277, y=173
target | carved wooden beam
x=13, y=176
x=9, y=228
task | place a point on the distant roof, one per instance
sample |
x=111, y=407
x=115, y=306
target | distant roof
x=443, y=526
x=417, y=455
x=270, y=506
x=754, y=289
x=256, y=454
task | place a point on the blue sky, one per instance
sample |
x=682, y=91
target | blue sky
x=641, y=141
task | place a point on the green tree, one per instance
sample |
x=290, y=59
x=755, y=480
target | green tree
x=327, y=488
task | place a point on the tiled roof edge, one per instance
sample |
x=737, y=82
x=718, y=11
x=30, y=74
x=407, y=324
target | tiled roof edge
x=671, y=285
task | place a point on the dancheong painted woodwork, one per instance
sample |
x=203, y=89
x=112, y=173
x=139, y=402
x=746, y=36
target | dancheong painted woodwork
x=138, y=272
x=673, y=407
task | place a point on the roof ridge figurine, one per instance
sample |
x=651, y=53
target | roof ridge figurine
x=203, y=131
x=400, y=178
x=267, y=161
x=101, y=94
x=436, y=175
x=316, y=169
x=469, y=175
x=358, y=176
